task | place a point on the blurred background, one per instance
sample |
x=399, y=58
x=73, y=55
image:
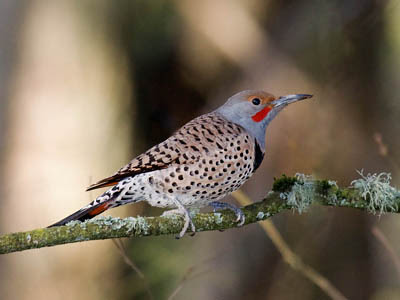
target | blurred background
x=87, y=85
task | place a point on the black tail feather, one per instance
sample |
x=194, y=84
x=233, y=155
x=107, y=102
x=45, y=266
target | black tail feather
x=83, y=214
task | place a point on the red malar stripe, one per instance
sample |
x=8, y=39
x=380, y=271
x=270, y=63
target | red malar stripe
x=258, y=117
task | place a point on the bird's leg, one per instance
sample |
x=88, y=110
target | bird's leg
x=216, y=205
x=181, y=210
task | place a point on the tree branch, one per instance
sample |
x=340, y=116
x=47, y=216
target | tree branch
x=370, y=193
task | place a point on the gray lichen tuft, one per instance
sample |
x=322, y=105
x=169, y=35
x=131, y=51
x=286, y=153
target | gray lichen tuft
x=302, y=193
x=377, y=191
x=141, y=223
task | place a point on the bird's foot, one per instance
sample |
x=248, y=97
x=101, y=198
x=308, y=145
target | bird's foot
x=216, y=205
x=186, y=216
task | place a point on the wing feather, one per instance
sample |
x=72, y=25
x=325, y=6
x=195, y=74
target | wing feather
x=198, y=139
x=154, y=159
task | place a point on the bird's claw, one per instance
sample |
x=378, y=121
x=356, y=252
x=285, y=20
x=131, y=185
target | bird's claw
x=240, y=217
x=187, y=220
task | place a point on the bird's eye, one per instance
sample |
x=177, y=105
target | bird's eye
x=256, y=101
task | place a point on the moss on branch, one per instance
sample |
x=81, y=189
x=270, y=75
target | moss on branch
x=371, y=193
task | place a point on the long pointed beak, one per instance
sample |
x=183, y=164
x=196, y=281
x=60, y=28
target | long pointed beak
x=285, y=100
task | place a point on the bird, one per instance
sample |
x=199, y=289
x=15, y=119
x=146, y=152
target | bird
x=202, y=162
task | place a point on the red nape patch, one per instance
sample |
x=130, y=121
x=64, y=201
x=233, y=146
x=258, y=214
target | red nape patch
x=258, y=117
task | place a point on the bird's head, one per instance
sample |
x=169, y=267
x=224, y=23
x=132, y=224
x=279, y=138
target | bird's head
x=254, y=110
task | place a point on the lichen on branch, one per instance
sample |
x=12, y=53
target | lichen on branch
x=372, y=193
x=376, y=189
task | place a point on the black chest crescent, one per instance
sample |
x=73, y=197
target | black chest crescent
x=258, y=156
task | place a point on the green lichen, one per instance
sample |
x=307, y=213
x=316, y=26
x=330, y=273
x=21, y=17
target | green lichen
x=260, y=215
x=283, y=184
x=80, y=239
x=74, y=223
x=326, y=189
x=323, y=187
x=341, y=195
x=142, y=224
x=377, y=192
x=193, y=212
x=218, y=219
x=130, y=224
x=102, y=220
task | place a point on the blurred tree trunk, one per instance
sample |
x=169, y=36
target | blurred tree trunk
x=67, y=126
x=11, y=15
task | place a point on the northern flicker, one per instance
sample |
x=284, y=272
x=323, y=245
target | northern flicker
x=201, y=163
